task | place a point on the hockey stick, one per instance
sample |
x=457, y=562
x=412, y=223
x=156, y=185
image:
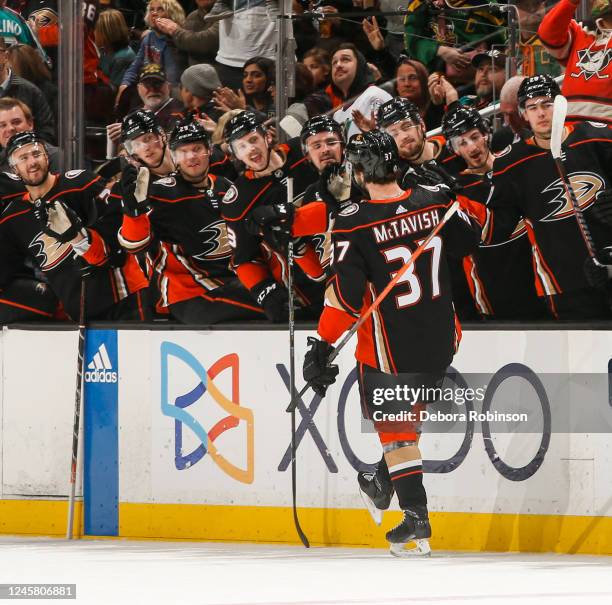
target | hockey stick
x=77, y=409
x=556, y=138
x=364, y=316
x=296, y=520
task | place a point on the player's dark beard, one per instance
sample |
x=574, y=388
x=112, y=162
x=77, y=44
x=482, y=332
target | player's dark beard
x=30, y=183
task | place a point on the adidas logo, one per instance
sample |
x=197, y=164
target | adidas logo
x=100, y=368
x=400, y=209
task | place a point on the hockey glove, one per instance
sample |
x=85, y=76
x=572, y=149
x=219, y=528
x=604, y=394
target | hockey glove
x=318, y=372
x=133, y=186
x=59, y=221
x=271, y=217
x=334, y=185
x=433, y=174
x=602, y=209
x=597, y=276
x=273, y=298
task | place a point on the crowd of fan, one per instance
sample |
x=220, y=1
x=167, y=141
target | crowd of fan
x=209, y=59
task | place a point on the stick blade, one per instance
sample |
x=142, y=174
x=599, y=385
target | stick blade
x=558, y=123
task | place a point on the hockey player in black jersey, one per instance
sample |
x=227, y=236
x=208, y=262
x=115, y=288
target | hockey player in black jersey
x=177, y=219
x=527, y=185
x=63, y=223
x=419, y=156
x=323, y=144
x=260, y=261
x=413, y=334
x=500, y=276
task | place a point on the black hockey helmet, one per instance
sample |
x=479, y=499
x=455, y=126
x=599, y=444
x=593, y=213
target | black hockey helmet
x=460, y=120
x=395, y=110
x=241, y=124
x=317, y=124
x=541, y=85
x=188, y=131
x=374, y=152
x=19, y=139
x=137, y=123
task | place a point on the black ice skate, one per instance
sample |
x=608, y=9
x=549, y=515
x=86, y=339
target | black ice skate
x=414, y=528
x=376, y=494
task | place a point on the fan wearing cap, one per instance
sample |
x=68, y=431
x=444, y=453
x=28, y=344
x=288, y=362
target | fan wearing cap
x=586, y=55
x=198, y=83
x=411, y=338
x=500, y=277
x=65, y=224
x=423, y=160
x=258, y=260
x=177, y=221
x=526, y=185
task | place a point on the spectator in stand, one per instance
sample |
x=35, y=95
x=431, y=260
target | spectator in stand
x=246, y=30
x=488, y=81
x=435, y=36
x=411, y=83
x=154, y=92
x=198, y=37
x=318, y=61
x=534, y=58
x=15, y=116
x=198, y=83
x=508, y=106
x=352, y=91
x=156, y=47
x=258, y=79
x=113, y=40
x=28, y=64
x=16, y=30
x=587, y=57
x=11, y=85
x=308, y=101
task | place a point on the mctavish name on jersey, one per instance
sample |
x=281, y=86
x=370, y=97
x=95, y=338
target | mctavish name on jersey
x=406, y=225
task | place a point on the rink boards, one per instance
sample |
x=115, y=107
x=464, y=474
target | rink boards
x=186, y=436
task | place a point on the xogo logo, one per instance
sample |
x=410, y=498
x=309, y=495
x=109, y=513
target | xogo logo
x=177, y=410
x=100, y=368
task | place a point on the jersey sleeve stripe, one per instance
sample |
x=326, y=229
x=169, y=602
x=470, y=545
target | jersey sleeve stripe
x=240, y=217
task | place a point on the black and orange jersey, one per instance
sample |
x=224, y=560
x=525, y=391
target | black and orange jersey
x=414, y=329
x=254, y=258
x=526, y=185
x=184, y=236
x=111, y=277
x=221, y=164
x=500, y=275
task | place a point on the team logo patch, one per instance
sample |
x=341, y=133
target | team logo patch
x=348, y=210
x=503, y=152
x=598, y=124
x=49, y=252
x=231, y=195
x=586, y=185
x=434, y=188
x=592, y=63
x=13, y=176
x=167, y=181
x=216, y=243
x=72, y=174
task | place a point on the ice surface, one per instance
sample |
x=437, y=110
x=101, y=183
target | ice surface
x=186, y=573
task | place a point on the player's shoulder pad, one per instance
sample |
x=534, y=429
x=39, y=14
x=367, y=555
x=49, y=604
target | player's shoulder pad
x=78, y=180
x=349, y=216
x=220, y=184
x=588, y=130
x=166, y=181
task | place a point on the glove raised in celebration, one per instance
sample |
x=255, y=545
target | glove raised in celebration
x=334, y=185
x=133, y=186
x=59, y=221
x=318, y=372
x=273, y=298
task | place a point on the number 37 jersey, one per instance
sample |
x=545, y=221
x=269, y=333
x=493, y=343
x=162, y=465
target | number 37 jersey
x=415, y=328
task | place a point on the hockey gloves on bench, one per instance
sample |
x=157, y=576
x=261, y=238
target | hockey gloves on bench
x=273, y=298
x=58, y=221
x=318, y=372
x=273, y=223
x=133, y=186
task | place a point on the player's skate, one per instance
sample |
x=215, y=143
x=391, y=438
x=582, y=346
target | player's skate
x=376, y=494
x=414, y=528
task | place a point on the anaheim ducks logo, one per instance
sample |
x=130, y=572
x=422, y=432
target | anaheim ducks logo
x=49, y=252
x=215, y=244
x=586, y=185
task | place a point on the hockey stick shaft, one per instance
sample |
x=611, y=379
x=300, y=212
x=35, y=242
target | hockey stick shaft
x=366, y=314
x=77, y=410
x=556, y=140
x=291, y=297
